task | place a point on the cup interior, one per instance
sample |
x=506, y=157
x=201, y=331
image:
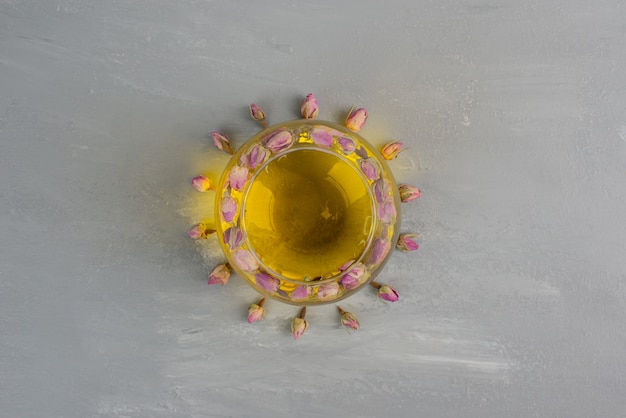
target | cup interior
x=306, y=213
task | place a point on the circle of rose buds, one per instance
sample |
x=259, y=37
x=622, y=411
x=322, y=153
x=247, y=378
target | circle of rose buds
x=276, y=142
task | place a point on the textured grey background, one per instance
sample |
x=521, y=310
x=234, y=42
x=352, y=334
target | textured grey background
x=515, y=115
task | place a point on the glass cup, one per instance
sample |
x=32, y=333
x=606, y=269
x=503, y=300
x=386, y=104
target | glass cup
x=307, y=212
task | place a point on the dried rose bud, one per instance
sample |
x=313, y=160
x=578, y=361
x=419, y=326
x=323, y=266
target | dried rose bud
x=406, y=242
x=233, y=237
x=202, y=184
x=322, y=137
x=299, y=324
x=309, y=108
x=348, y=320
x=354, y=276
x=350, y=282
x=257, y=114
x=256, y=311
x=221, y=141
x=386, y=292
x=370, y=168
x=196, y=231
x=408, y=192
x=266, y=282
x=347, y=145
x=356, y=119
x=245, y=260
x=228, y=208
x=380, y=250
x=255, y=156
x=387, y=211
x=278, y=141
x=301, y=292
x=328, y=291
x=237, y=177
x=381, y=190
x=220, y=274
x=391, y=150
x=199, y=231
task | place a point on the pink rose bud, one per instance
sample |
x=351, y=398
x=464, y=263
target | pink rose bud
x=237, y=177
x=386, y=292
x=370, y=168
x=322, y=137
x=220, y=274
x=347, y=145
x=408, y=192
x=348, y=320
x=391, y=150
x=256, y=311
x=328, y=291
x=406, y=242
x=202, y=184
x=233, y=237
x=257, y=114
x=356, y=119
x=245, y=260
x=228, y=207
x=354, y=276
x=278, y=141
x=221, y=141
x=309, y=108
x=255, y=156
x=196, y=231
x=350, y=282
x=380, y=250
x=381, y=190
x=199, y=231
x=267, y=282
x=299, y=324
x=301, y=292
x=387, y=211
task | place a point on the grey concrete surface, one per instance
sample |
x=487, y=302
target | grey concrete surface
x=515, y=116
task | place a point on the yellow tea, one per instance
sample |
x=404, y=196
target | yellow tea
x=306, y=213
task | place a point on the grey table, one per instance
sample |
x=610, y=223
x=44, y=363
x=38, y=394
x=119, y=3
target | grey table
x=515, y=116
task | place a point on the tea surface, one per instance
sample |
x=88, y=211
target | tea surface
x=307, y=213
